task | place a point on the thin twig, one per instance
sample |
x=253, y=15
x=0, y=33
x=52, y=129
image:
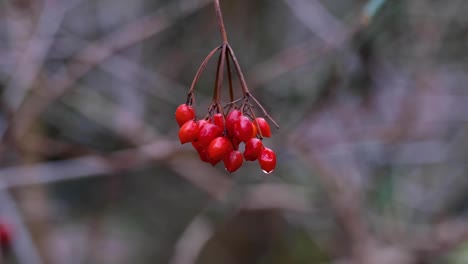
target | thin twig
x=200, y=71
x=219, y=18
x=263, y=110
x=245, y=89
x=229, y=74
x=90, y=56
x=22, y=244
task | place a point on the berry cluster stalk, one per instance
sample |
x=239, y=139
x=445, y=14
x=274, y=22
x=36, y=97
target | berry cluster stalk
x=226, y=56
x=218, y=135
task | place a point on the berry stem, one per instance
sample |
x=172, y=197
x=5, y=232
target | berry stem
x=245, y=89
x=199, y=72
x=263, y=110
x=219, y=17
x=220, y=73
x=228, y=67
x=240, y=75
x=259, y=131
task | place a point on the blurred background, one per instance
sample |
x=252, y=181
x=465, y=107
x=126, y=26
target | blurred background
x=372, y=151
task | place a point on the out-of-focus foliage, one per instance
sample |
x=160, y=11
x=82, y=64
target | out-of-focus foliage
x=372, y=151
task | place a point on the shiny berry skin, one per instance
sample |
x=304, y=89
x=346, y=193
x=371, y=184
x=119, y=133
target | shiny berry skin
x=202, y=151
x=188, y=132
x=264, y=126
x=218, y=120
x=184, y=113
x=231, y=120
x=202, y=122
x=207, y=133
x=235, y=142
x=243, y=129
x=267, y=160
x=219, y=148
x=233, y=161
x=255, y=130
x=253, y=149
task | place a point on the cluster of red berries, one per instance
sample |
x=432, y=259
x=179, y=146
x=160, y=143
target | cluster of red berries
x=217, y=138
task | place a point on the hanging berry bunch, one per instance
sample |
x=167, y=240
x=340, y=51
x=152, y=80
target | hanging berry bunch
x=218, y=136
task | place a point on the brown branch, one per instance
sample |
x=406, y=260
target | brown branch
x=200, y=71
x=219, y=18
x=90, y=56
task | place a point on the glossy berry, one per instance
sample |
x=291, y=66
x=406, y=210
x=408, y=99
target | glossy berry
x=243, y=129
x=231, y=120
x=218, y=120
x=233, y=161
x=202, y=122
x=207, y=133
x=254, y=129
x=184, y=113
x=219, y=148
x=202, y=151
x=264, y=126
x=188, y=132
x=235, y=142
x=267, y=160
x=253, y=148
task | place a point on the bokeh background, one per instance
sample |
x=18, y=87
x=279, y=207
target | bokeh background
x=371, y=97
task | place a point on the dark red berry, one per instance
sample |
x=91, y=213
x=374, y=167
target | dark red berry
x=253, y=148
x=243, y=129
x=267, y=160
x=231, y=120
x=188, y=132
x=219, y=148
x=207, y=133
x=202, y=122
x=184, y=113
x=218, y=120
x=5, y=236
x=233, y=161
x=264, y=127
x=254, y=129
x=202, y=151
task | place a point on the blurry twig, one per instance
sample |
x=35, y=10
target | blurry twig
x=135, y=32
x=32, y=57
x=192, y=241
x=87, y=166
x=22, y=243
x=440, y=239
x=317, y=18
x=260, y=196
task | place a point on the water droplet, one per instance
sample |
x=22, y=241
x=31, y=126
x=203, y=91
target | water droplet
x=267, y=172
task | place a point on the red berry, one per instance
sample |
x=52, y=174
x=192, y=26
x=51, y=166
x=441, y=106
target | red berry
x=267, y=160
x=243, y=129
x=184, y=113
x=202, y=151
x=203, y=154
x=235, y=142
x=208, y=132
x=202, y=122
x=219, y=148
x=196, y=145
x=5, y=236
x=218, y=120
x=264, y=126
x=253, y=148
x=188, y=132
x=231, y=120
x=233, y=161
x=255, y=130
